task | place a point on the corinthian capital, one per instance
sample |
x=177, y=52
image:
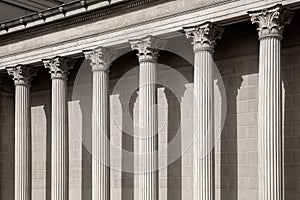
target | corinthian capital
x=271, y=21
x=59, y=66
x=148, y=48
x=22, y=75
x=101, y=58
x=204, y=36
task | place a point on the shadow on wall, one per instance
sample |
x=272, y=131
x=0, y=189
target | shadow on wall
x=236, y=157
x=291, y=81
x=80, y=81
x=127, y=182
x=41, y=97
x=174, y=174
x=7, y=139
x=174, y=179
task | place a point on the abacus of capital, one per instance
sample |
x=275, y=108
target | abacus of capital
x=148, y=50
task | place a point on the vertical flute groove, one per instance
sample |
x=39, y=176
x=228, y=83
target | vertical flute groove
x=271, y=22
x=59, y=139
x=101, y=183
x=148, y=128
x=22, y=76
x=148, y=49
x=22, y=140
x=203, y=121
x=101, y=59
x=270, y=171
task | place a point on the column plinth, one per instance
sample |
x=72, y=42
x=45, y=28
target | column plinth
x=148, y=49
x=22, y=77
x=271, y=25
x=59, y=67
x=204, y=41
x=101, y=59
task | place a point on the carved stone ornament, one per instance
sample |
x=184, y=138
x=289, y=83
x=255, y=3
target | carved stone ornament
x=101, y=58
x=22, y=75
x=271, y=21
x=204, y=36
x=148, y=48
x=59, y=66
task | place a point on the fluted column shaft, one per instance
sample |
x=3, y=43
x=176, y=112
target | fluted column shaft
x=100, y=172
x=148, y=127
x=59, y=67
x=59, y=139
x=101, y=59
x=203, y=125
x=22, y=142
x=22, y=78
x=148, y=49
x=204, y=41
x=269, y=124
x=271, y=24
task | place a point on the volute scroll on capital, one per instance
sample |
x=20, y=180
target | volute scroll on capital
x=101, y=58
x=59, y=66
x=22, y=75
x=271, y=21
x=148, y=48
x=204, y=36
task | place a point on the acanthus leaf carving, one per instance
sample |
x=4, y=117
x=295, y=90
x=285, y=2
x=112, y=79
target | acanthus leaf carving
x=101, y=58
x=204, y=35
x=148, y=48
x=59, y=66
x=271, y=21
x=22, y=75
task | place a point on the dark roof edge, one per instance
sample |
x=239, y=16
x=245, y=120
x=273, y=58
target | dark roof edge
x=55, y=11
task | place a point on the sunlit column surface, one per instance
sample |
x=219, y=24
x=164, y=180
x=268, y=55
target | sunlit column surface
x=271, y=24
x=101, y=59
x=204, y=41
x=59, y=70
x=148, y=49
x=22, y=76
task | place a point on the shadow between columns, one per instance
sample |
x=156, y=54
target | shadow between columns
x=42, y=83
x=174, y=171
x=7, y=138
x=291, y=111
x=80, y=80
x=86, y=162
x=229, y=140
x=127, y=145
x=48, y=151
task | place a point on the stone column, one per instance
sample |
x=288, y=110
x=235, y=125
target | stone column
x=59, y=67
x=22, y=77
x=204, y=41
x=101, y=59
x=271, y=24
x=148, y=49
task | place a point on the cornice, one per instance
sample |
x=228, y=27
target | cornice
x=104, y=13
x=58, y=18
x=163, y=24
x=45, y=14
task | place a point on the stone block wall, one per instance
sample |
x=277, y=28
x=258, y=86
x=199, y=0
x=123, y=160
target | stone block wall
x=7, y=146
x=236, y=151
x=291, y=82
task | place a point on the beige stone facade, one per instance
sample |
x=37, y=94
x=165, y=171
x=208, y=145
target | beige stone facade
x=257, y=154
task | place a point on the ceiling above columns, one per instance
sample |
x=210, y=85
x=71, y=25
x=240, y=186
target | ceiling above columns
x=36, y=5
x=113, y=25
